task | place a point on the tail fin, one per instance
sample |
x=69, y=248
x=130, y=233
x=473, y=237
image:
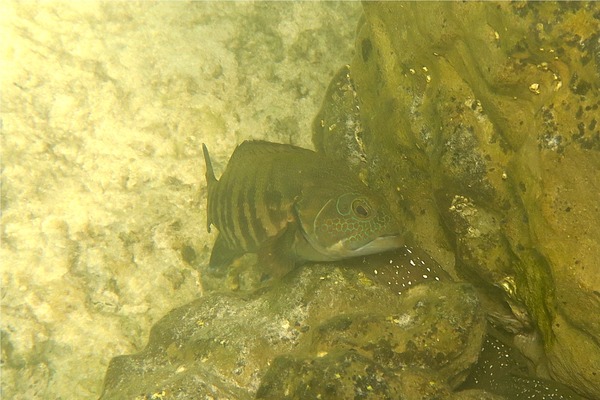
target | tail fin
x=210, y=182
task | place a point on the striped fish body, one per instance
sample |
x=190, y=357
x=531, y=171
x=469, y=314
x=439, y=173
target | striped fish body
x=302, y=204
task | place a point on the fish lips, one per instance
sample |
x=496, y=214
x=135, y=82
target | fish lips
x=378, y=245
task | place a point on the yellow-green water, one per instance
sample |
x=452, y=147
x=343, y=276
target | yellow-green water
x=104, y=106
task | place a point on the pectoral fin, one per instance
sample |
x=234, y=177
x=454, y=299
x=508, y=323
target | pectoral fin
x=222, y=255
x=275, y=255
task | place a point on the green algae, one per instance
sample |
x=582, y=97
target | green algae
x=494, y=105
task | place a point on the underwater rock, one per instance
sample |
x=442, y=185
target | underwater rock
x=500, y=369
x=318, y=318
x=474, y=394
x=337, y=128
x=342, y=375
x=348, y=375
x=480, y=125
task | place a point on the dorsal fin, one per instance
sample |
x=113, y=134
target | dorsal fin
x=210, y=183
x=263, y=147
x=210, y=174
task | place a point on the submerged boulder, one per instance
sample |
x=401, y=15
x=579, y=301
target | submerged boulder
x=479, y=121
x=323, y=329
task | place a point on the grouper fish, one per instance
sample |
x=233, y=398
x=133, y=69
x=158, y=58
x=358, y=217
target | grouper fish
x=294, y=202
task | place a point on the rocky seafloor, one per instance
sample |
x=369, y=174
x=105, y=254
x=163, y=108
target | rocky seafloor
x=477, y=121
x=104, y=109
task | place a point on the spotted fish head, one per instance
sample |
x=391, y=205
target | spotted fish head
x=337, y=226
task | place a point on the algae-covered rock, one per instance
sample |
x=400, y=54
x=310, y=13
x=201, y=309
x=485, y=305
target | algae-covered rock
x=502, y=370
x=343, y=375
x=479, y=121
x=348, y=375
x=319, y=322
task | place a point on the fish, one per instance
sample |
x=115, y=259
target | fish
x=296, y=204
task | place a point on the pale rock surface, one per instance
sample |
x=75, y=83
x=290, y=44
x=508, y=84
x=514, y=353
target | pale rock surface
x=104, y=109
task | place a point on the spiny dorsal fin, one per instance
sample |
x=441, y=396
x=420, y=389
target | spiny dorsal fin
x=210, y=182
x=210, y=174
x=263, y=147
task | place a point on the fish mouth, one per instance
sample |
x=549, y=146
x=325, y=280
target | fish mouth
x=379, y=245
x=341, y=249
x=310, y=251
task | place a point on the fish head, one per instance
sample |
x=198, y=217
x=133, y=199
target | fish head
x=335, y=226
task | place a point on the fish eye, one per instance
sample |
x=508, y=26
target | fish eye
x=361, y=208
